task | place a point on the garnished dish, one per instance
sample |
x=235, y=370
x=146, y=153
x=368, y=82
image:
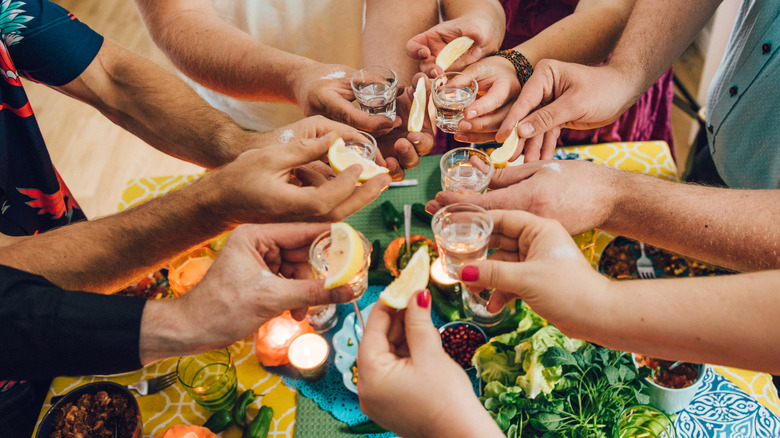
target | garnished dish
x=539, y=382
x=670, y=374
x=618, y=260
x=397, y=257
x=460, y=340
x=152, y=287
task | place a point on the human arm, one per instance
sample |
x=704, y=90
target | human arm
x=586, y=36
x=560, y=94
x=401, y=358
x=728, y=320
x=728, y=227
x=237, y=65
x=254, y=188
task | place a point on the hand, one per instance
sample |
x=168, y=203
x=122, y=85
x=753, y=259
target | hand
x=402, y=149
x=242, y=289
x=401, y=359
x=532, y=254
x=571, y=96
x=496, y=76
x=579, y=194
x=256, y=187
x=324, y=89
x=426, y=46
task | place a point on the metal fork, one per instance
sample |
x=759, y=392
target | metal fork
x=644, y=266
x=155, y=384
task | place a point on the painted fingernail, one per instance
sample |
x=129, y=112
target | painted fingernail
x=469, y=273
x=471, y=114
x=527, y=130
x=424, y=298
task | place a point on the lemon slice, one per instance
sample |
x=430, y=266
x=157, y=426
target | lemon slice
x=340, y=158
x=413, y=277
x=452, y=51
x=502, y=155
x=345, y=256
x=417, y=113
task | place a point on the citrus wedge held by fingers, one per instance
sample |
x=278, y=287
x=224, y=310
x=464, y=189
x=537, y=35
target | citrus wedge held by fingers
x=452, y=51
x=340, y=158
x=413, y=277
x=345, y=256
x=417, y=112
x=502, y=155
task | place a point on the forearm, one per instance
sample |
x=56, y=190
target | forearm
x=727, y=320
x=388, y=26
x=106, y=254
x=232, y=62
x=656, y=34
x=732, y=228
x=158, y=107
x=587, y=36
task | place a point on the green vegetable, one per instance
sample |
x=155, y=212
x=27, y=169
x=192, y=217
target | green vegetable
x=367, y=427
x=404, y=257
x=261, y=424
x=418, y=210
x=447, y=309
x=218, y=421
x=380, y=277
x=239, y=409
x=562, y=388
x=391, y=218
x=376, y=254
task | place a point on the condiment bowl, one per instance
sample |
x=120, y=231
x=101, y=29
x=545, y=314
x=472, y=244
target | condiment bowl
x=49, y=421
x=673, y=400
x=460, y=339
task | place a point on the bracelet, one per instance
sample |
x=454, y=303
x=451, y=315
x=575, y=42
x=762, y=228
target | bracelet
x=522, y=66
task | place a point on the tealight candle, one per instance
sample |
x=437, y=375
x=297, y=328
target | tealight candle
x=440, y=276
x=308, y=353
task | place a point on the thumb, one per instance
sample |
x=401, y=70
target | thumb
x=493, y=274
x=421, y=336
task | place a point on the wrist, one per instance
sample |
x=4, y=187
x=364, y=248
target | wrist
x=523, y=67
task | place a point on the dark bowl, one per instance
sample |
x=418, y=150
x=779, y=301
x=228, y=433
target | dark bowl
x=46, y=426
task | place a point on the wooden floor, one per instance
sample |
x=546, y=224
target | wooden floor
x=96, y=158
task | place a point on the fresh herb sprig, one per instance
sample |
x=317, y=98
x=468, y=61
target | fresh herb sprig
x=597, y=384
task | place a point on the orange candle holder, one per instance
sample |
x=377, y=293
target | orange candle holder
x=186, y=270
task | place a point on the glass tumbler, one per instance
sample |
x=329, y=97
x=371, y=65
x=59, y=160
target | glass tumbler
x=452, y=92
x=375, y=88
x=210, y=379
x=466, y=170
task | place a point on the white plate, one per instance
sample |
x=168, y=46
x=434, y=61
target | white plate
x=345, y=354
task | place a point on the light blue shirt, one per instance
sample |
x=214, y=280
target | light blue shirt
x=743, y=102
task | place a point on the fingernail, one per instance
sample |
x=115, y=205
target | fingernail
x=527, y=130
x=466, y=126
x=471, y=114
x=469, y=273
x=416, y=142
x=424, y=298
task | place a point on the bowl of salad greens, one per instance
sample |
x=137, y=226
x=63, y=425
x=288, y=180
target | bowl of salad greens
x=537, y=382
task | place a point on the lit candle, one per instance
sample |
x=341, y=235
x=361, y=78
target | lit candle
x=274, y=337
x=448, y=286
x=187, y=270
x=308, y=353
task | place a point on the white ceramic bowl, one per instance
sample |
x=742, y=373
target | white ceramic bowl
x=673, y=400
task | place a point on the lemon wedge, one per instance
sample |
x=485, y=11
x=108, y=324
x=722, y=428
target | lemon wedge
x=340, y=158
x=413, y=277
x=502, y=155
x=417, y=112
x=345, y=256
x=452, y=51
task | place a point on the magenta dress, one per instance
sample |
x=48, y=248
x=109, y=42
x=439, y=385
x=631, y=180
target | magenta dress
x=648, y=119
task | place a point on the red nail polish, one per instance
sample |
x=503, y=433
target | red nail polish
x=469, y=273
x=424, y=298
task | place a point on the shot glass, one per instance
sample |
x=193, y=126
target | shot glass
x=319, y=254
x=210, y=379
x=186, y=270
x=462, y=232
x=452, y=92
x=361, y=142
x=466, y=170
x=375, y=88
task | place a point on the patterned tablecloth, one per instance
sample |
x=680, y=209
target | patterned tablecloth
x=732, y=403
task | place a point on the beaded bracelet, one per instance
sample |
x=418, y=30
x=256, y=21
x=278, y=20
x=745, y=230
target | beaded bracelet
x=522, y=66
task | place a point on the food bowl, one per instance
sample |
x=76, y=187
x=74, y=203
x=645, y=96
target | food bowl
x=124, y=415
x=668, y=399
x=460, y=339
x=393, y=252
